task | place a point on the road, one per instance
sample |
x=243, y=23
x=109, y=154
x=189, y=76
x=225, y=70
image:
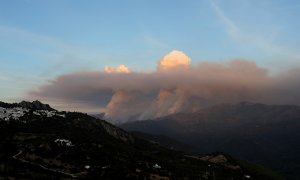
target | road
x=41, y=166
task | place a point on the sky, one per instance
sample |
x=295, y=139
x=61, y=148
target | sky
x=41, y=41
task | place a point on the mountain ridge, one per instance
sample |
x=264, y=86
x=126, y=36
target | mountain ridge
x=259, y=133
x=71, y=145
x=34, y=105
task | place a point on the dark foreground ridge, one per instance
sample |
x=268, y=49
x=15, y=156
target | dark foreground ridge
x=39, y=143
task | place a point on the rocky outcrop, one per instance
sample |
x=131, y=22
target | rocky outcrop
x=36, y=105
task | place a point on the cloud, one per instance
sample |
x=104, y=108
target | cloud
x=230, y=26
x=171, y=89
x=261, y=42
x=174, y=60
x=120, y=69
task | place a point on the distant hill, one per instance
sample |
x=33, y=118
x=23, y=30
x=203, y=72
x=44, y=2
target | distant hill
x=264, y=134
x=44, y=144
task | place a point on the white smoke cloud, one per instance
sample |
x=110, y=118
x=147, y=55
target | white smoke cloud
x=176, y=86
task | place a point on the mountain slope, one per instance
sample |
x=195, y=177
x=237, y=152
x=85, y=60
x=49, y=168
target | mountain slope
x=263, y=134
x=43, y=144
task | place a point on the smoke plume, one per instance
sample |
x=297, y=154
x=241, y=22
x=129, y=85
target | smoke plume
x=121, y=69
x=176, y=86
x=174, y=60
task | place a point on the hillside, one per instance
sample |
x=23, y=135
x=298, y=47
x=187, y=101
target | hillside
x=43, y=144
x=263, y=134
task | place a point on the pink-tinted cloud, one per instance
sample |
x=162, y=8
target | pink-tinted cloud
x=176, y=86
x=120, y=69
x=174, y=60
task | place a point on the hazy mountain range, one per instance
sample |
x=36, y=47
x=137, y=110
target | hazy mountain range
x=264, y=134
